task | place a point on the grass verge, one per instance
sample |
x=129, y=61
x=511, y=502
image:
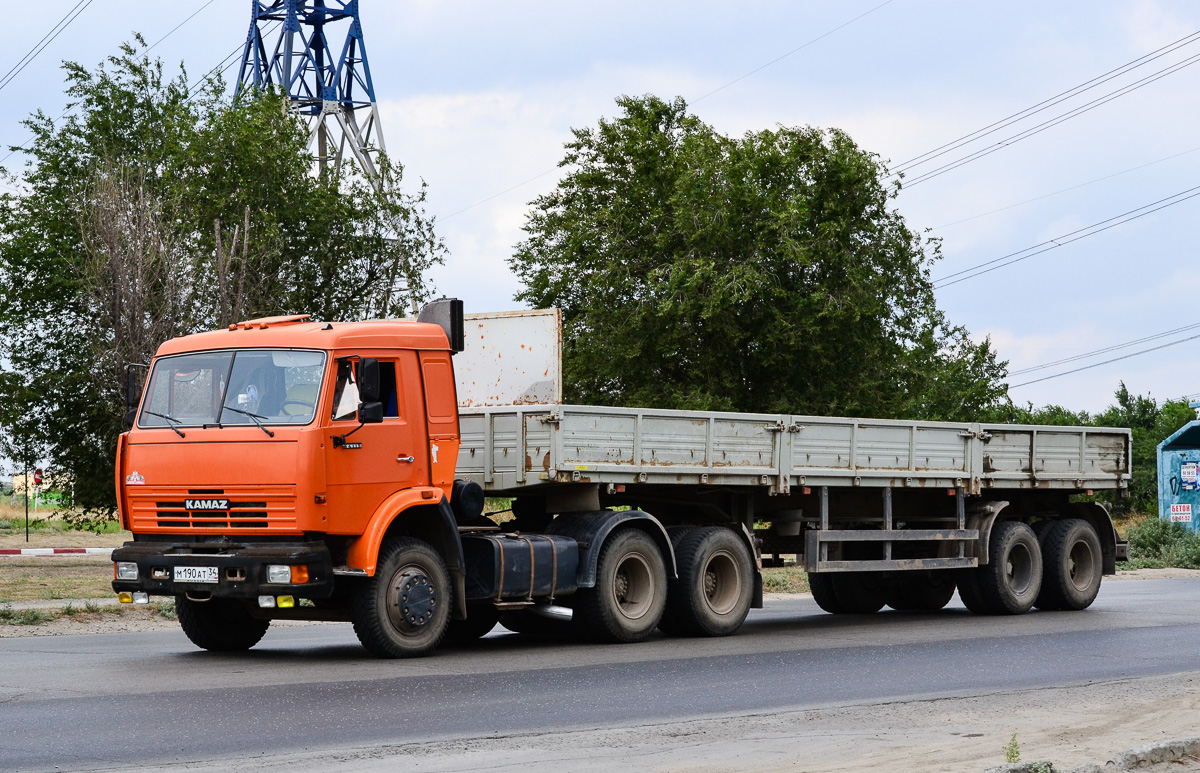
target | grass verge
x=164, y=608
x=43, y=578
x=785, y=579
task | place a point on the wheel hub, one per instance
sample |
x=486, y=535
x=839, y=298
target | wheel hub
x=415, y=598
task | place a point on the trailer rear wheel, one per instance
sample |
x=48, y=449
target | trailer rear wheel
x=219, y=625
x=921, y=591
x=630, y=595
x=1009, y=583
x=821, y=586
x=714, y=590
x=861, y=593
x=403, y=611
x=1072, y=565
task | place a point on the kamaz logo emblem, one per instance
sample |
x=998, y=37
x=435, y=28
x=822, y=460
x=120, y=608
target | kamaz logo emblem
x=206, y=504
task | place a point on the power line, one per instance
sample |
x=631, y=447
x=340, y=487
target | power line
x=177, y=26
x=1106, y=362
x=1046, y=103
x=192, y=89
x=1065, y=190
x=794, y=50
x=46, y=40
x=1039, y=128
x=1081, y=233
x=694, y=101
x=1105, y=350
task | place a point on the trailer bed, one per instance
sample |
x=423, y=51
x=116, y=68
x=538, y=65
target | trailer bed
x=509, y=448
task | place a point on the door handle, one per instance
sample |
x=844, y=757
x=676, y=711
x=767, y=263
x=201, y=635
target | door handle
x=406, y=458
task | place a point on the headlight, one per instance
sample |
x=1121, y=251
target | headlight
x=279, y=573
x=127, y=570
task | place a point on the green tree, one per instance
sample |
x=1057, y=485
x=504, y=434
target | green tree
x=151, y=211
x=765, y=273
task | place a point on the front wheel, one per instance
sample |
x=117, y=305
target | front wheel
x=219, y=625
x=630, y=594
x=715, y=587
x=404, y=610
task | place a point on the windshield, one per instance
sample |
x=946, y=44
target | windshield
x=234, y=387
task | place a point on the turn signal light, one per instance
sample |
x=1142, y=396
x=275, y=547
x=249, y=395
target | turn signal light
x=299, y=574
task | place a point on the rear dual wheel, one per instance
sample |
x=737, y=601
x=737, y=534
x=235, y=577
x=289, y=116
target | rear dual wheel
x=712, y=595
x=921, y=591
x=630, y=594
x=1072, y=565
x=1011, y=580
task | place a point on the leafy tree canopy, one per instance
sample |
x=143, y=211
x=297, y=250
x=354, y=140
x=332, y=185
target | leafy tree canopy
x=154, y=210
x=761, y=273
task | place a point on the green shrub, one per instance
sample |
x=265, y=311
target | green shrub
x=1173, y=544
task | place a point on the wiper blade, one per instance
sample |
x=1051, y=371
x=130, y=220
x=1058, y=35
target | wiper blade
x=254, y=417
x=175, y=421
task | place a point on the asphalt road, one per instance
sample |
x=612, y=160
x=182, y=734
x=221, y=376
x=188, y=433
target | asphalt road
x=94, y=702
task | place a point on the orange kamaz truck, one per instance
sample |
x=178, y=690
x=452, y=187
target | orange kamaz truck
x=291, y=469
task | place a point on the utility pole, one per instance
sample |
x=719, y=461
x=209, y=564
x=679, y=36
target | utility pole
x=329, y=86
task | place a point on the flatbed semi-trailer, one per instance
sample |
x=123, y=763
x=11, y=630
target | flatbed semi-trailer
x=284, y=460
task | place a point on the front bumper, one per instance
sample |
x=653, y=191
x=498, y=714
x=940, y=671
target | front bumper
x=241, y=569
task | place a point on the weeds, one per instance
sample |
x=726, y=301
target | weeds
x=164, y=608
x=10, y=616
x=1012, y=750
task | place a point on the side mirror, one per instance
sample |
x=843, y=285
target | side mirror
x=370, y=413
x=368, y=380
x=133, y=391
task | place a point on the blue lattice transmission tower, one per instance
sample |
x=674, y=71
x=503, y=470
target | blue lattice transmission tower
x=319, y=60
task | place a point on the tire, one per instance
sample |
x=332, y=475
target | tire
x=821, y=586
x=712, y=594
x=1072, y=566
x=630, y=595
x=219, y=625
x=404, y=610
x=921, y=591
x=969, y=591
x=861, y=593
x=1012, y=578
x=481, y=619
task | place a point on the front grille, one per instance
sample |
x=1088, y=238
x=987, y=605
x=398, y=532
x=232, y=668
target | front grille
x=268, y=508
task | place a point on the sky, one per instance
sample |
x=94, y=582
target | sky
x=477, y=99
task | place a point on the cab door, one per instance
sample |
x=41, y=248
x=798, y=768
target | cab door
x=367, y=463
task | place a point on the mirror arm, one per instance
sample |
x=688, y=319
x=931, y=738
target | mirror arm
x=340, y=440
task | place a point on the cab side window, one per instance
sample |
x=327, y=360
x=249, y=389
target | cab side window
x=345, y=392
x=388, y=392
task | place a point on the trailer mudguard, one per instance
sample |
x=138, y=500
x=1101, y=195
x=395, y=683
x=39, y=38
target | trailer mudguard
x=415, y=513
x=591, y=529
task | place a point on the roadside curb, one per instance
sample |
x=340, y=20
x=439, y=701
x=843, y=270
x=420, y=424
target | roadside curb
x=1130, y=759
x=55, y=551
x=1151, y=753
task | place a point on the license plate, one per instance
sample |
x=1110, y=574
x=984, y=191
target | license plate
x=195, y=574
